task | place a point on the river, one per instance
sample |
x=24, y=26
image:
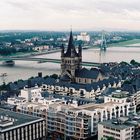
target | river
x=25, y=69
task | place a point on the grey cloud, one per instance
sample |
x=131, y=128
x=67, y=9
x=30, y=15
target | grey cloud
x=114, y=6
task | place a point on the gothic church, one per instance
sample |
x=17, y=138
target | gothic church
x=71, y=66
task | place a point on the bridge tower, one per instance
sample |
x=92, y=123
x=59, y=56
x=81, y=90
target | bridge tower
x=103, y=42
x=71, y=60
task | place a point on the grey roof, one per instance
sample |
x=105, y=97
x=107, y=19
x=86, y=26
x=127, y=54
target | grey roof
x=65, y=78
x=33, y=81
x=86, y=73
x=69, y=98
x=113, y=124
x=88, y=87
x=20, y=119
x=128, y=87
x=8, y=106
x=50, y=81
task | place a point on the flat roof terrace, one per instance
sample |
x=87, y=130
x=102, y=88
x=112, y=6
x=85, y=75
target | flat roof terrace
x=15, y=120
x=92, y=107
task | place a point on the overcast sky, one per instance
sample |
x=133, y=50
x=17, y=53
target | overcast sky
x=61, y=14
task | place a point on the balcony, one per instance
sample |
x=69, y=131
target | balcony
x=85, y=125
x=85, y=121
x=69, y=133
x=86, y=131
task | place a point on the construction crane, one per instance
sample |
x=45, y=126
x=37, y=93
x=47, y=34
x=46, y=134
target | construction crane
x=103, y=42
x=3, y=75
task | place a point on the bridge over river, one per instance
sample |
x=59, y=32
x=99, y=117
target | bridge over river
x=44, y=60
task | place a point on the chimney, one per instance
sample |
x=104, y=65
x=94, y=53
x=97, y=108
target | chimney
x=40, y=74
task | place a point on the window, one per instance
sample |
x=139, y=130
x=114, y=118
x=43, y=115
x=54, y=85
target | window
x=117, y=130
x=127, y=129
x=118, y=135
x=127, y=134
x=127, y=139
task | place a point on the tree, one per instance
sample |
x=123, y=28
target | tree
x=110, y=138
x=132, y=62
x=55, y=76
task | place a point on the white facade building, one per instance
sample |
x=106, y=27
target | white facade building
x=115, y=130
x=84, y=37
x=16, y=100
x=94, y=112
x=122, y=97
x=29, y=93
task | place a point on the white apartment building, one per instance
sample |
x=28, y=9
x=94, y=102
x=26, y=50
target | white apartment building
x=29, y=93
x=137, y=99
x=95, y=113
x=72, y=120
x=84, y=37
x=122, y=97
x=116, y=130
x=16, y=100
x=39, y=106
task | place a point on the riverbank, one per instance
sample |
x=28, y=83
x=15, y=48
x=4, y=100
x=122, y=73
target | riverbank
x=128, y=43
x=29, y=54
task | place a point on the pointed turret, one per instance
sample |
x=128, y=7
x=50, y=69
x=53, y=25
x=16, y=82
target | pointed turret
x=62, y=50
x=70, y=45
x=80, y=50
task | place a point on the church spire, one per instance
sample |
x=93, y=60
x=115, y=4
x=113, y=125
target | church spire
x=71, y=48
x=70, y=45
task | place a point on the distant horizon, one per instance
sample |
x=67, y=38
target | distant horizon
x=74, y=30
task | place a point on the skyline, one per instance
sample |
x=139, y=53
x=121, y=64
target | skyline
x=59, y=15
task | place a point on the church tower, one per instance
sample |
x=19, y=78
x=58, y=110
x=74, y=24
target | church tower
x=71, y=60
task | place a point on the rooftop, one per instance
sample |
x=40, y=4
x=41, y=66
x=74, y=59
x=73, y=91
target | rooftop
x=17, y=119
x=120, y=94
x=116, y=124
x=92, y=107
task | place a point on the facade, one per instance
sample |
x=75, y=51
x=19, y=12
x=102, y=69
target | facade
x=136, y=97
x=16, y=126
x=40, y=107
x=82, y=90
x=29, y=93
x=69, y=121
x=116, y=130
x=83, y=37
x=122, y=97
x=16, y=100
